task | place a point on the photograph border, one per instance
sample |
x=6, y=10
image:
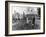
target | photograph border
x=6, y=18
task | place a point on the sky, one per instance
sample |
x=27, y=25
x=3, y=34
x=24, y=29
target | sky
x=25, y=10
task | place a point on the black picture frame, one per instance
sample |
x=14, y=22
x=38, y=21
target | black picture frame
x=6, y=18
